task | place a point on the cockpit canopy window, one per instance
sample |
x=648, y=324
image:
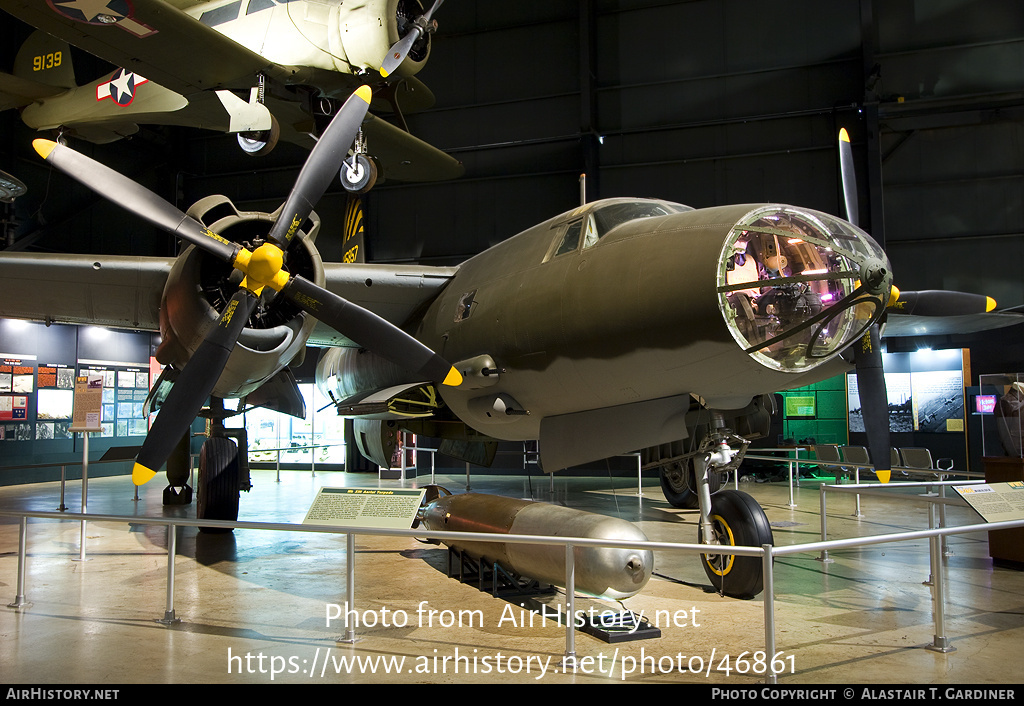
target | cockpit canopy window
x=605, y=216
x=612, y=215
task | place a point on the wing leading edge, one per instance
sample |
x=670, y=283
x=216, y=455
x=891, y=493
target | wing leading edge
x=101, y=290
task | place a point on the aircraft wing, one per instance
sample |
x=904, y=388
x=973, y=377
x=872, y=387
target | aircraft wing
x=155, y=40
x=125, y=291
x=897, y=325
x=393, y=292
x=103, y=290
x=405, y=157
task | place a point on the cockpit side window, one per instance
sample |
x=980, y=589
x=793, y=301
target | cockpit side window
x=570, y=239
x=220, y=15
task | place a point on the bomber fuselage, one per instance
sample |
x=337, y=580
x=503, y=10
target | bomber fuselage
x=628, y=300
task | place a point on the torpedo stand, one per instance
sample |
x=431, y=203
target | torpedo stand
x=515, y=588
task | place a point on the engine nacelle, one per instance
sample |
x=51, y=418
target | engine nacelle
x=199, y=287
x=364, y=42
x=346, y=37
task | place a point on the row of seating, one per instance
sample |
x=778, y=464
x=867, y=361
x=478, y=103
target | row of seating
x=906, y=460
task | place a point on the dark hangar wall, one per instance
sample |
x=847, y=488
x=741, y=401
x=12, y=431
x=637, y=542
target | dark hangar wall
x=704, y=102
x=711, y=102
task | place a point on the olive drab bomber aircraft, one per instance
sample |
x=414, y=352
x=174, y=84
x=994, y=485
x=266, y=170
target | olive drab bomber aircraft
x=622, y=324
x=270, y=70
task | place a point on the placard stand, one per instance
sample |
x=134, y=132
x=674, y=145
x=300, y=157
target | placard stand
x=86, y=415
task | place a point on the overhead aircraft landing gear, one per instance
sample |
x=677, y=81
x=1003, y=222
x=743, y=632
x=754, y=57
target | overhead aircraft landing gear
x=260, y=142
x=359, y=172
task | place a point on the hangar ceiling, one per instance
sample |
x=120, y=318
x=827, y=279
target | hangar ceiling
x=703, y=102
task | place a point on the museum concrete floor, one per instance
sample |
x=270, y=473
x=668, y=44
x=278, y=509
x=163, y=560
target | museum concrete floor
x=252, y=604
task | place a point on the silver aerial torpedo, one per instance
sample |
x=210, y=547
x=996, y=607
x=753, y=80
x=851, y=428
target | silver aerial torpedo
x=608, y=572
x=619, y=325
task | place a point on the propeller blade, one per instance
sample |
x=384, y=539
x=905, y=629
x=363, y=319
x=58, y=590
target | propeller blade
x=321, y=166
x=400, y=49
x=849, y=177
x=939, y=302
x=135, y=198
x=874, y=401
x=192, y=387
x=370, y=331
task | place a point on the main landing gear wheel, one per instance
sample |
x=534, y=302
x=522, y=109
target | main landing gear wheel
x=217, y=493
x=359, y=174
x=738, y=521
x=260, y=142
x=679, y=484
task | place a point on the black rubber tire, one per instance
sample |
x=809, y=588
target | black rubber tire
x=361, y=178
x=217, y=486
x=739, y=521
x=679, y=484
x=260, y=142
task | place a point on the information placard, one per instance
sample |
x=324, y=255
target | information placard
x=88, y=403
x=995, y=502
x=380, y=508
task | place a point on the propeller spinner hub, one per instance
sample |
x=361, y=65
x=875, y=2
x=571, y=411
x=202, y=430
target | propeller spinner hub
x=265, y=268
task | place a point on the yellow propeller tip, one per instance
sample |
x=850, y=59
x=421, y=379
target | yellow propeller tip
x=142, y=475
x=894, y=296
x=990, y=304
x=453, y=379
x=366, y=93
x=844, y=135
x=43, y=147
x=883, y=476
x=383, y=72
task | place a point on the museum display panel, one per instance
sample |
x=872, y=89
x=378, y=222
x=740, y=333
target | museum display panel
x=1001, y=404
x=38, y=368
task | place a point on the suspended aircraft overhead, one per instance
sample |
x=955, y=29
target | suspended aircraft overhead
x=265, y=70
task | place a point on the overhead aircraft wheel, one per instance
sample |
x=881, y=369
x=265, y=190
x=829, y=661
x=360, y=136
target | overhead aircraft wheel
x=738, y=521
x=358, y=178
x=217, y=487
x=260, y=142
x=679, y=484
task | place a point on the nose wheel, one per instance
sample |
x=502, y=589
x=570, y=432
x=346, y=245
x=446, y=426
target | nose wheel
x=729, y=518
x=736, y=520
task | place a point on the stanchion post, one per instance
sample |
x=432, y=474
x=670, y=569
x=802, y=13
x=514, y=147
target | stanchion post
x=19, y=598
x=768, y=565
x=822, y=511
x=350, y=587
x=570, y=607
x=172, y=550
x=940, y=643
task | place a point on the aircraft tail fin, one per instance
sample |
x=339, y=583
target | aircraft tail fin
x=45, y=60
x=355, y=236
x=42, y=68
